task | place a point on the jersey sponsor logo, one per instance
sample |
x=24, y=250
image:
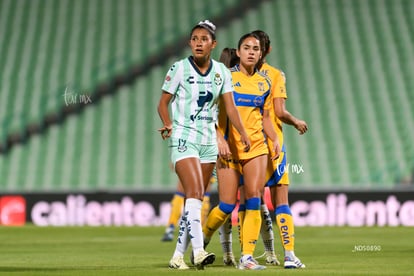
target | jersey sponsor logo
x=237, y=84
x=204, y=97
x=191, y=80
x=258, y=101
x=248, y=100
x=285, y=234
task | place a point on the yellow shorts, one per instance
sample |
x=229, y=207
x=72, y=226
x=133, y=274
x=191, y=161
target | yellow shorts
x=277, y=170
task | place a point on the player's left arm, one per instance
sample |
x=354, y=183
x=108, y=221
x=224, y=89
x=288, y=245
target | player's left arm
x=286, y=117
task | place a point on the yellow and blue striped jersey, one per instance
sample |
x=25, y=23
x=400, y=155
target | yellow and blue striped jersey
x=252, y=95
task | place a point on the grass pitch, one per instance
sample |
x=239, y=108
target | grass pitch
x=100, y=251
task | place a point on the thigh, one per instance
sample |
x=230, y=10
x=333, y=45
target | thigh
x=190, y=173
x=207, y=170
x=254, y=175
x=228, y=182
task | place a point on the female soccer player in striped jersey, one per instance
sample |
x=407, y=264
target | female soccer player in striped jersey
x=253, y=100
x=229, y=58
x=193, y=86
x=276, y=180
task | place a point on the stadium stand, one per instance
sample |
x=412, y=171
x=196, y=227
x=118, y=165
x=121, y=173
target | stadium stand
x=348, y=66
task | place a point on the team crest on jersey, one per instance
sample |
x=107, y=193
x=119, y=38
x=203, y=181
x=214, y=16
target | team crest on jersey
x=181, y=145
x=217, y=79
x=261, y=86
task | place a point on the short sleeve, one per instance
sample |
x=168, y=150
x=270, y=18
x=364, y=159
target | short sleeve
x=279, y=85
x=228, y=81
x=172, y=79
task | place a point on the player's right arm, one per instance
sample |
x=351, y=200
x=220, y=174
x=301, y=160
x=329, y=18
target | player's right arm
x=169, y=87
x=164, y=114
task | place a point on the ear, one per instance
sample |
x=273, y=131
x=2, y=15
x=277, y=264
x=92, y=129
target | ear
x=214, y=44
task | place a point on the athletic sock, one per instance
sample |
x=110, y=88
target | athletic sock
x=251, y=225
x=286, y=227
x=225, y=232
x=182, y=240
x=266, y=229
x=192, y=210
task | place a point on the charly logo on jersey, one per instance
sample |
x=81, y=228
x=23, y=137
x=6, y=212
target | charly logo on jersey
x=217, y=79
x=181, y=145
x=190, y=79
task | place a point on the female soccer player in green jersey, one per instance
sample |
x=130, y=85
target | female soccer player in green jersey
x=193, y=86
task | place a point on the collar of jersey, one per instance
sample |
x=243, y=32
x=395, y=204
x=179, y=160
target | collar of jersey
x=190, y=59
x=236, y=68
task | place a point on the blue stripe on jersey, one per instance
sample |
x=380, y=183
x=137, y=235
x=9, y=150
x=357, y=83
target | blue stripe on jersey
x=250, y=100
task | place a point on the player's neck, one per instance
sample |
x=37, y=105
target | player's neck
x=202, y=64
x=247, y=70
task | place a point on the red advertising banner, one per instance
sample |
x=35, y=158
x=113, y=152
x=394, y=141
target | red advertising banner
x=12, y=210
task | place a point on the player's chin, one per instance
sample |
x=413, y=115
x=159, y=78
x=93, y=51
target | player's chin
x=199, y=54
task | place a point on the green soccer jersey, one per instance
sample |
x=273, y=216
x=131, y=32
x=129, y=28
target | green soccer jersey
x=195, y=104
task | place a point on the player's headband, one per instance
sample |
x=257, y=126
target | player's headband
x=209, y=26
